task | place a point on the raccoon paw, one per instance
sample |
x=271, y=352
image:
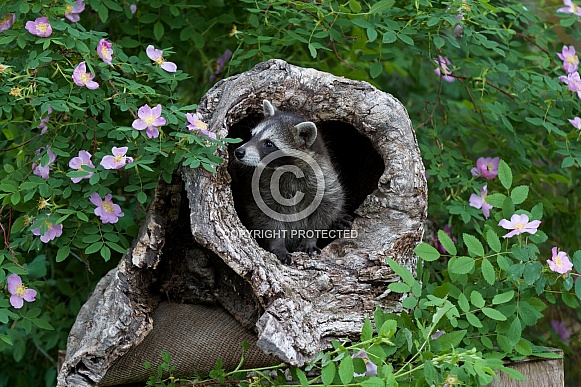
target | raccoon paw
x=284, y=256
x=309, y=248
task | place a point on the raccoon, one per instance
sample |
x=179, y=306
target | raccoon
x=291, y=171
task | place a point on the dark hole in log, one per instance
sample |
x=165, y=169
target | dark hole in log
x=354, y=156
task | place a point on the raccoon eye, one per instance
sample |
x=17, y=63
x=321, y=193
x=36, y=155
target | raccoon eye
x=268, y=144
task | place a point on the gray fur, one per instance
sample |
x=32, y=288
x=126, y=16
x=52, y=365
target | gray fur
x=289, y=133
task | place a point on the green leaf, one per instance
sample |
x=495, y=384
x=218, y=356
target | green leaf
x=514, y=374
x=461, y=265
x=473, y=245
x=404, y=273
x=388, y=329
x=515, y=331
x=367, y=330
x=439, y=42
x=63, y=253
x=94, y=248
x=312, y=50
x=302, y=377
x=427, y=252
x=488, y=271
x=495, y=199
x=371, y=34
x=328, y=373
x=519, y=194
x=476, y=299
x=346, y=369
x=504, y=174
x=463, y=302
x=451, y=339
x=42, y=324
x=375, y=69
x=355, y=6
x=381, y=6
x=493, y=240
x=373, y=381
x=494, y=314
x=389, y=37
x=447, y=242
x=523, y=348
x=399, y=287
x=158, y=30
x=578, y=289
x=503, y=297
x=406, y=39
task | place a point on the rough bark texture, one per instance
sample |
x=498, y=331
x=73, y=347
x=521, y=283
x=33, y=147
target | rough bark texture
x=199, y=250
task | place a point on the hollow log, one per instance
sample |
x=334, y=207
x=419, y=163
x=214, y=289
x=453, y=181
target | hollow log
x=194, y=246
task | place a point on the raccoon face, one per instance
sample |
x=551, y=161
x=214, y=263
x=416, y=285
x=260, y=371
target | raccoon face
x=279, y=131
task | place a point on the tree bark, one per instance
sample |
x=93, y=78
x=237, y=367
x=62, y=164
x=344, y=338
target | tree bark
x=199, y=250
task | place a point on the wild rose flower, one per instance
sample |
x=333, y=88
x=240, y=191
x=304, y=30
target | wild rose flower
x=77, y=163
x=486, y=167
x=570, y=60
x=44, y=120
x=480, y=201
x=370, y=367
x=53, y=231
x=519, y=224
x=40, y=27
x=570, y=8
x=40, y=170
x=560, y=328
x=220, y=63
x=199, y=126
x=83, y=78
x=576, y=122
x=108, y=211
x=105, y=51
x=19, y=292
x=133, y=8
x=559, y=262
x=448, y=230
x=573, y=82
x=118, y=160
x=157, y=56
x=442, y=70
x=7, y=21
x=72, y=11
x=149, y=119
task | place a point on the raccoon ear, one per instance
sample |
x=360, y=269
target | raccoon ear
x=269, y=110
x=305, y=133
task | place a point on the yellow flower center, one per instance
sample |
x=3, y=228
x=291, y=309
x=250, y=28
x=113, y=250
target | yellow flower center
x=42, y=203
x=2, y=68
x=105, y=52
x=68, y=8
x=118, y=158
x=558, y=262
x=15, y=91
x=160, y=60
x=451, y=379
x=85, y=77
x=519, y=226
x=149, y=120
x=21, y=290
x=42, y=27
x=108, y=207
x=573, y=59
x=575, y=8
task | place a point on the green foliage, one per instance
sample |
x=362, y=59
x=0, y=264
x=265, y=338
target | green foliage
x=487, y=292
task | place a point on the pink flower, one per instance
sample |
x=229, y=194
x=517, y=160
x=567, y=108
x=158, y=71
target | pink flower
x=19, y=292
x=519, y=224
x=486, y=167
x=570, y=8
x=77, y=163
x=570, y=60
x=105, y=51
x=118, y=160
x=83, y=78
x=72, y=11
x=560, y=263
x=133, y=8
x=149, y=119
x=437, y=334
x=43, y=171
x=220, y=63
x=573, y=82
x=480, y=201
x=40, y=27
x=157, y=56
x=576, y=122
x=108, y=211
x=44, y=120
x=195, y=124
x=442, y=70
x=560, y=328
x=53, y=231
x=7, y=21
x=370, y=367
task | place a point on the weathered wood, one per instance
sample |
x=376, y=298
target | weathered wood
x=199, y=250
x=538, y=373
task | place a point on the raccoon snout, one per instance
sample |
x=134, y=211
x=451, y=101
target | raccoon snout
x=239, y=153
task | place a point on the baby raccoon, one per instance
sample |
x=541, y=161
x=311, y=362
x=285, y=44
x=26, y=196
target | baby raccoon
x=296, y=192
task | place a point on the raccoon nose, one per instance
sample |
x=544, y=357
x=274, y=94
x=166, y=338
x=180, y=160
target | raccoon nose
x=239, y=153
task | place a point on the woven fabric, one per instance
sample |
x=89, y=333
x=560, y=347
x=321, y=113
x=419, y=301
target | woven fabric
x=195, y=336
